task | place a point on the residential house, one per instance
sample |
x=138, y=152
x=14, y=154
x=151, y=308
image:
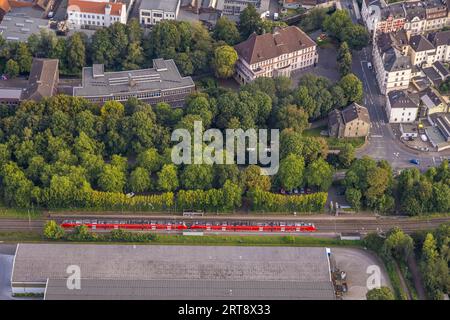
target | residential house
x=274, y=54
x=352, y=121
x=401, y=106
x=432, y=102
x=391, y=64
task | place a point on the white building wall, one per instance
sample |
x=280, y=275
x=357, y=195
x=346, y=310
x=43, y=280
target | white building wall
x=402, y=115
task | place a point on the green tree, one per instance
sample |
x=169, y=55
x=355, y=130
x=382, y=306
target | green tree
x=398, y=244
x=150, y=160
x=53, y=230
x=356, y=36
x=167, y=178
x=184, y=63
x=320, y=174
x=226, y=30
x=197, y=176
x=249, y=21
x=253, y=179
x=293, y=117
x=12, y=68
x=24, y=58
x=352, y=86
x=382, y=293
x=76, y=53
x=112, y=179
x=353, y=196
x=225, y=58
x=139, y=180
x=290, y=173
x=347, y=155
x=344, y=59
x=336, y=23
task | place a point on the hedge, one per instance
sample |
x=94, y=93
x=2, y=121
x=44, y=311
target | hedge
x=272, y=202
x=117, y=200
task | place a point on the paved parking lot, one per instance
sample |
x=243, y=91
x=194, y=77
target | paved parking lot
x=325, y=67
x=355, y=263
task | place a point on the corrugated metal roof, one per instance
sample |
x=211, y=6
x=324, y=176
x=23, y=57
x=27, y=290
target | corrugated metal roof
x=189, y=289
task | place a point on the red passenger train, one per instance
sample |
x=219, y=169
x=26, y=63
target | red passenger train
x=142, y=225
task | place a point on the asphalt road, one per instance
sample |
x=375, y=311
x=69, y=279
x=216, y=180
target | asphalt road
x=382, y=143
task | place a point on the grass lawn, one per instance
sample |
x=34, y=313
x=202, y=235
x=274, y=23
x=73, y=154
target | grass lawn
x=14, y=236
x=19, y=213
x=221, y=240
x=334, y=143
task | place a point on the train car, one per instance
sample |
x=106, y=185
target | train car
x=235, y=226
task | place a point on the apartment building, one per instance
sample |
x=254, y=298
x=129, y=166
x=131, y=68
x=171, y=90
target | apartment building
x=98, y=13
x=162, y=83
x=401, y=106
x=274, y=54
x=391, y=62
x=153, y=11
x=414, y=16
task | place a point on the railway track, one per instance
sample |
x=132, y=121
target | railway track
x=21, y=225
x=325, y=225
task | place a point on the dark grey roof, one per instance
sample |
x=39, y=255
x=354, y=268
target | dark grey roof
x=43, y=79
x=389, y=45
x=38, y=262
x=439, y=66
x=419, y=43
x=440, y=38
x=401, y=99
x=355, y=111
x=394, y=10
x=414, y=9
x=165, y=5
x=433, y=75
x=163, y=76
x=430, y=98
x=197, y=289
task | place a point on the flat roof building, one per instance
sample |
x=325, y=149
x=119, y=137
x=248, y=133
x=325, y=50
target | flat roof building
x=153, y=11
x=173, y=272
x=162, y=83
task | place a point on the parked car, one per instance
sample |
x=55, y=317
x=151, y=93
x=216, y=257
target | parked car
x=369, y=65
x=414, y=161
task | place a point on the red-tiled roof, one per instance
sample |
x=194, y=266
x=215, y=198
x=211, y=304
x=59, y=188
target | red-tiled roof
x=259, y=48
x=95, y=7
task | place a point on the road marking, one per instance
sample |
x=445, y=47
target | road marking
x=376, y=136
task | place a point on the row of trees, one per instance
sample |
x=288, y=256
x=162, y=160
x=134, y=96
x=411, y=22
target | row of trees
x=431, y=250
x=372, y=185
x=425, y=193
x=434, y=262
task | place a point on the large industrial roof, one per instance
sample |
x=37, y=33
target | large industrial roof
x=297, y=273
x=189, y=289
